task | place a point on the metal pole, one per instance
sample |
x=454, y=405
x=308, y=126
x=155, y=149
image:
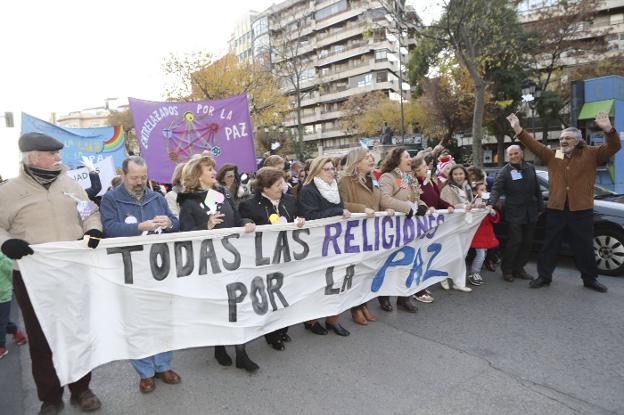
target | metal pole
x=400, y=76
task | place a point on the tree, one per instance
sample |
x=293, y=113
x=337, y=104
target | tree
x=371, y=120
x=447, y=99
x=197, y=76
x=292, y=65
x=481, y=34
x=355, y=107
x=558, y=33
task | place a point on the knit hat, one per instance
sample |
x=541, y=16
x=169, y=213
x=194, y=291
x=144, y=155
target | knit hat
x=38, y=142
x=444, y=161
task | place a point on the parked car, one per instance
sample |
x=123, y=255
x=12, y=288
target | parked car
x=608, y=227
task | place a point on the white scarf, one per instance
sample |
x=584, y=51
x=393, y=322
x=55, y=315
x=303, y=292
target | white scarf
x=328, y=191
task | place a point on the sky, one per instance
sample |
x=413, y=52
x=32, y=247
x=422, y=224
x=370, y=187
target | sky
x=68, y=55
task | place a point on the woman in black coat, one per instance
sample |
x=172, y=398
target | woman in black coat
x=270, y=205
x=198, y=177
x=319, y=198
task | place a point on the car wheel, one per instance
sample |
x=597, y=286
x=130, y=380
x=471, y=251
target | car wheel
x=609, y=250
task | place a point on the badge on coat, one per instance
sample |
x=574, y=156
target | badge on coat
x=516, y=175
x=131, y=220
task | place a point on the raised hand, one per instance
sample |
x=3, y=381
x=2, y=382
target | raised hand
x=514, y=122
x=603, y=121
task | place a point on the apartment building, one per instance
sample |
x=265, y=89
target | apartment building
x=88, y=118
x=240, y=43
x=609, y=19
x=342, y=48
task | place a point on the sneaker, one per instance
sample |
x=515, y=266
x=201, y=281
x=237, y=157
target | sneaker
x=3, y=352
x=424, y=298
x=478, y=279
x=472, y=278
x=462, y=289
x=19, y=338
x=445, y=284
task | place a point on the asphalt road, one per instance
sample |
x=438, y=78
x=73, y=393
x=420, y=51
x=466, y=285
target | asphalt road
x=502, y=349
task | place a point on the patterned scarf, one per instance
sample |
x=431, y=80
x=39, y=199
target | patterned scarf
x=328, y=191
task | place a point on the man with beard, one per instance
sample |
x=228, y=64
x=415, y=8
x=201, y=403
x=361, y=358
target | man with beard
x=524, y=203
x=42, y=205
x=130, y=210
x=571, y=177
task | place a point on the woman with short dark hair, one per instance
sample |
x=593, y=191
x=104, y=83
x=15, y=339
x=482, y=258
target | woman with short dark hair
x=270, y=205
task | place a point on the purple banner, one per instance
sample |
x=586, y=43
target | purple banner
x=171, y=132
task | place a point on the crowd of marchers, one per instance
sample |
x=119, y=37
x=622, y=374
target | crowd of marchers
x=43, y=204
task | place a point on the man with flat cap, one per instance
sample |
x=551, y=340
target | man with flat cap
x=42, y=204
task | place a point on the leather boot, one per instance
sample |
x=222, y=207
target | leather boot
x=358, y=316
x=384, y=302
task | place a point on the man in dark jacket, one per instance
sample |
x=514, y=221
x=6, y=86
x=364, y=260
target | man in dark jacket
x=571, y=177
x=130, y=210
x=523, y=205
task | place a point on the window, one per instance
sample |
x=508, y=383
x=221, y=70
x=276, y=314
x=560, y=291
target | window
x=260, y=26
x=616, y=18
x=382, y=76
x=307, y=75
x=361, y=80
x=381, y=55
x=329, y=11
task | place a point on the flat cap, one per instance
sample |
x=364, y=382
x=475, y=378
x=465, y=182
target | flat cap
x=38, y=142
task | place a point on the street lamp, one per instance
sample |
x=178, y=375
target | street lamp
x=530, y=94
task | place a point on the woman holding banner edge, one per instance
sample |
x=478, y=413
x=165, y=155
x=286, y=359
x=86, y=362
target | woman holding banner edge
x=197, y=212
x=360, y=193
x=268, y=206
x=400, y=192
x=319, y=198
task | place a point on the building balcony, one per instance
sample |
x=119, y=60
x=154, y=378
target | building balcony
x=375, y=86
x=356, y=50
x=323, y=135
x=368, y=66
x=346, y=15
x=337, y=36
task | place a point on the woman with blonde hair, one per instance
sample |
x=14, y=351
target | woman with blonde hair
x=319, y=198
x=198, y=178
x=360, y=194
x=401, y=192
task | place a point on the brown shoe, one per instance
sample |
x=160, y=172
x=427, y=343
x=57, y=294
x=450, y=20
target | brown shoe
x=508, y=277
x=169, y=377
x=86, y=400
x=358, y=316
x=147, y=385
x=367, y=314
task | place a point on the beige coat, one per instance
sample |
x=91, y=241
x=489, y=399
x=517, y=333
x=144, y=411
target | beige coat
x=450, y=194
x=356, y=196
x=393, y=196
x=30, y=212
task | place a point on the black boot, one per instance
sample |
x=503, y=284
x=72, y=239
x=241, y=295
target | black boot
x=243, y=361
x=222, y=357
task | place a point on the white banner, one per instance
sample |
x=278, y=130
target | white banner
x=135, y=297
x=104, y=168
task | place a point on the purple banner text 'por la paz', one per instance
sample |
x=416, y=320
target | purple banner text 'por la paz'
x=172, y=132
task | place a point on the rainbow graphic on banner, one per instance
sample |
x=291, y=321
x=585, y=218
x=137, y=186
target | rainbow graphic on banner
x=115, y=142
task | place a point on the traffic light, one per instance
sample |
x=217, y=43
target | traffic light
x=8, y=119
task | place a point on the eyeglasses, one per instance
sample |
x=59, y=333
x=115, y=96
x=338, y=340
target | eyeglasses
x=329, y=169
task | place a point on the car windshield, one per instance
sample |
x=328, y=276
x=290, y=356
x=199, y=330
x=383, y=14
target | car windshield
x=599, y=191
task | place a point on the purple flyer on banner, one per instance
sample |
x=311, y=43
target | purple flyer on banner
x=172, y=132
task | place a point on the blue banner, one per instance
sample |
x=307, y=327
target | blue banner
x=94, y=143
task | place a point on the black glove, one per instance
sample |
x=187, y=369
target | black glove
x=16, y=248
x=422, y=210
x=410, y=214
x=94, y=237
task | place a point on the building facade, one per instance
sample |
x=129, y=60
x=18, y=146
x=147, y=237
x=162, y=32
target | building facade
x=240, y=43
x=325, y=51
x=88, y=118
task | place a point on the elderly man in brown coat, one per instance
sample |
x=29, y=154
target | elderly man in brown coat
x=42, y=205
x=571, y=175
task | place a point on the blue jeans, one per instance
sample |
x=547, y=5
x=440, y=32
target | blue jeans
x=6, y=326
x=148, y=366
x=477, y=262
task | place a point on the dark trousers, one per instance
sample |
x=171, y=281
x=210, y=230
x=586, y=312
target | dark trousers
x=6, y=326
x=518, y=247
x=579, y=226
x=49, y=388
